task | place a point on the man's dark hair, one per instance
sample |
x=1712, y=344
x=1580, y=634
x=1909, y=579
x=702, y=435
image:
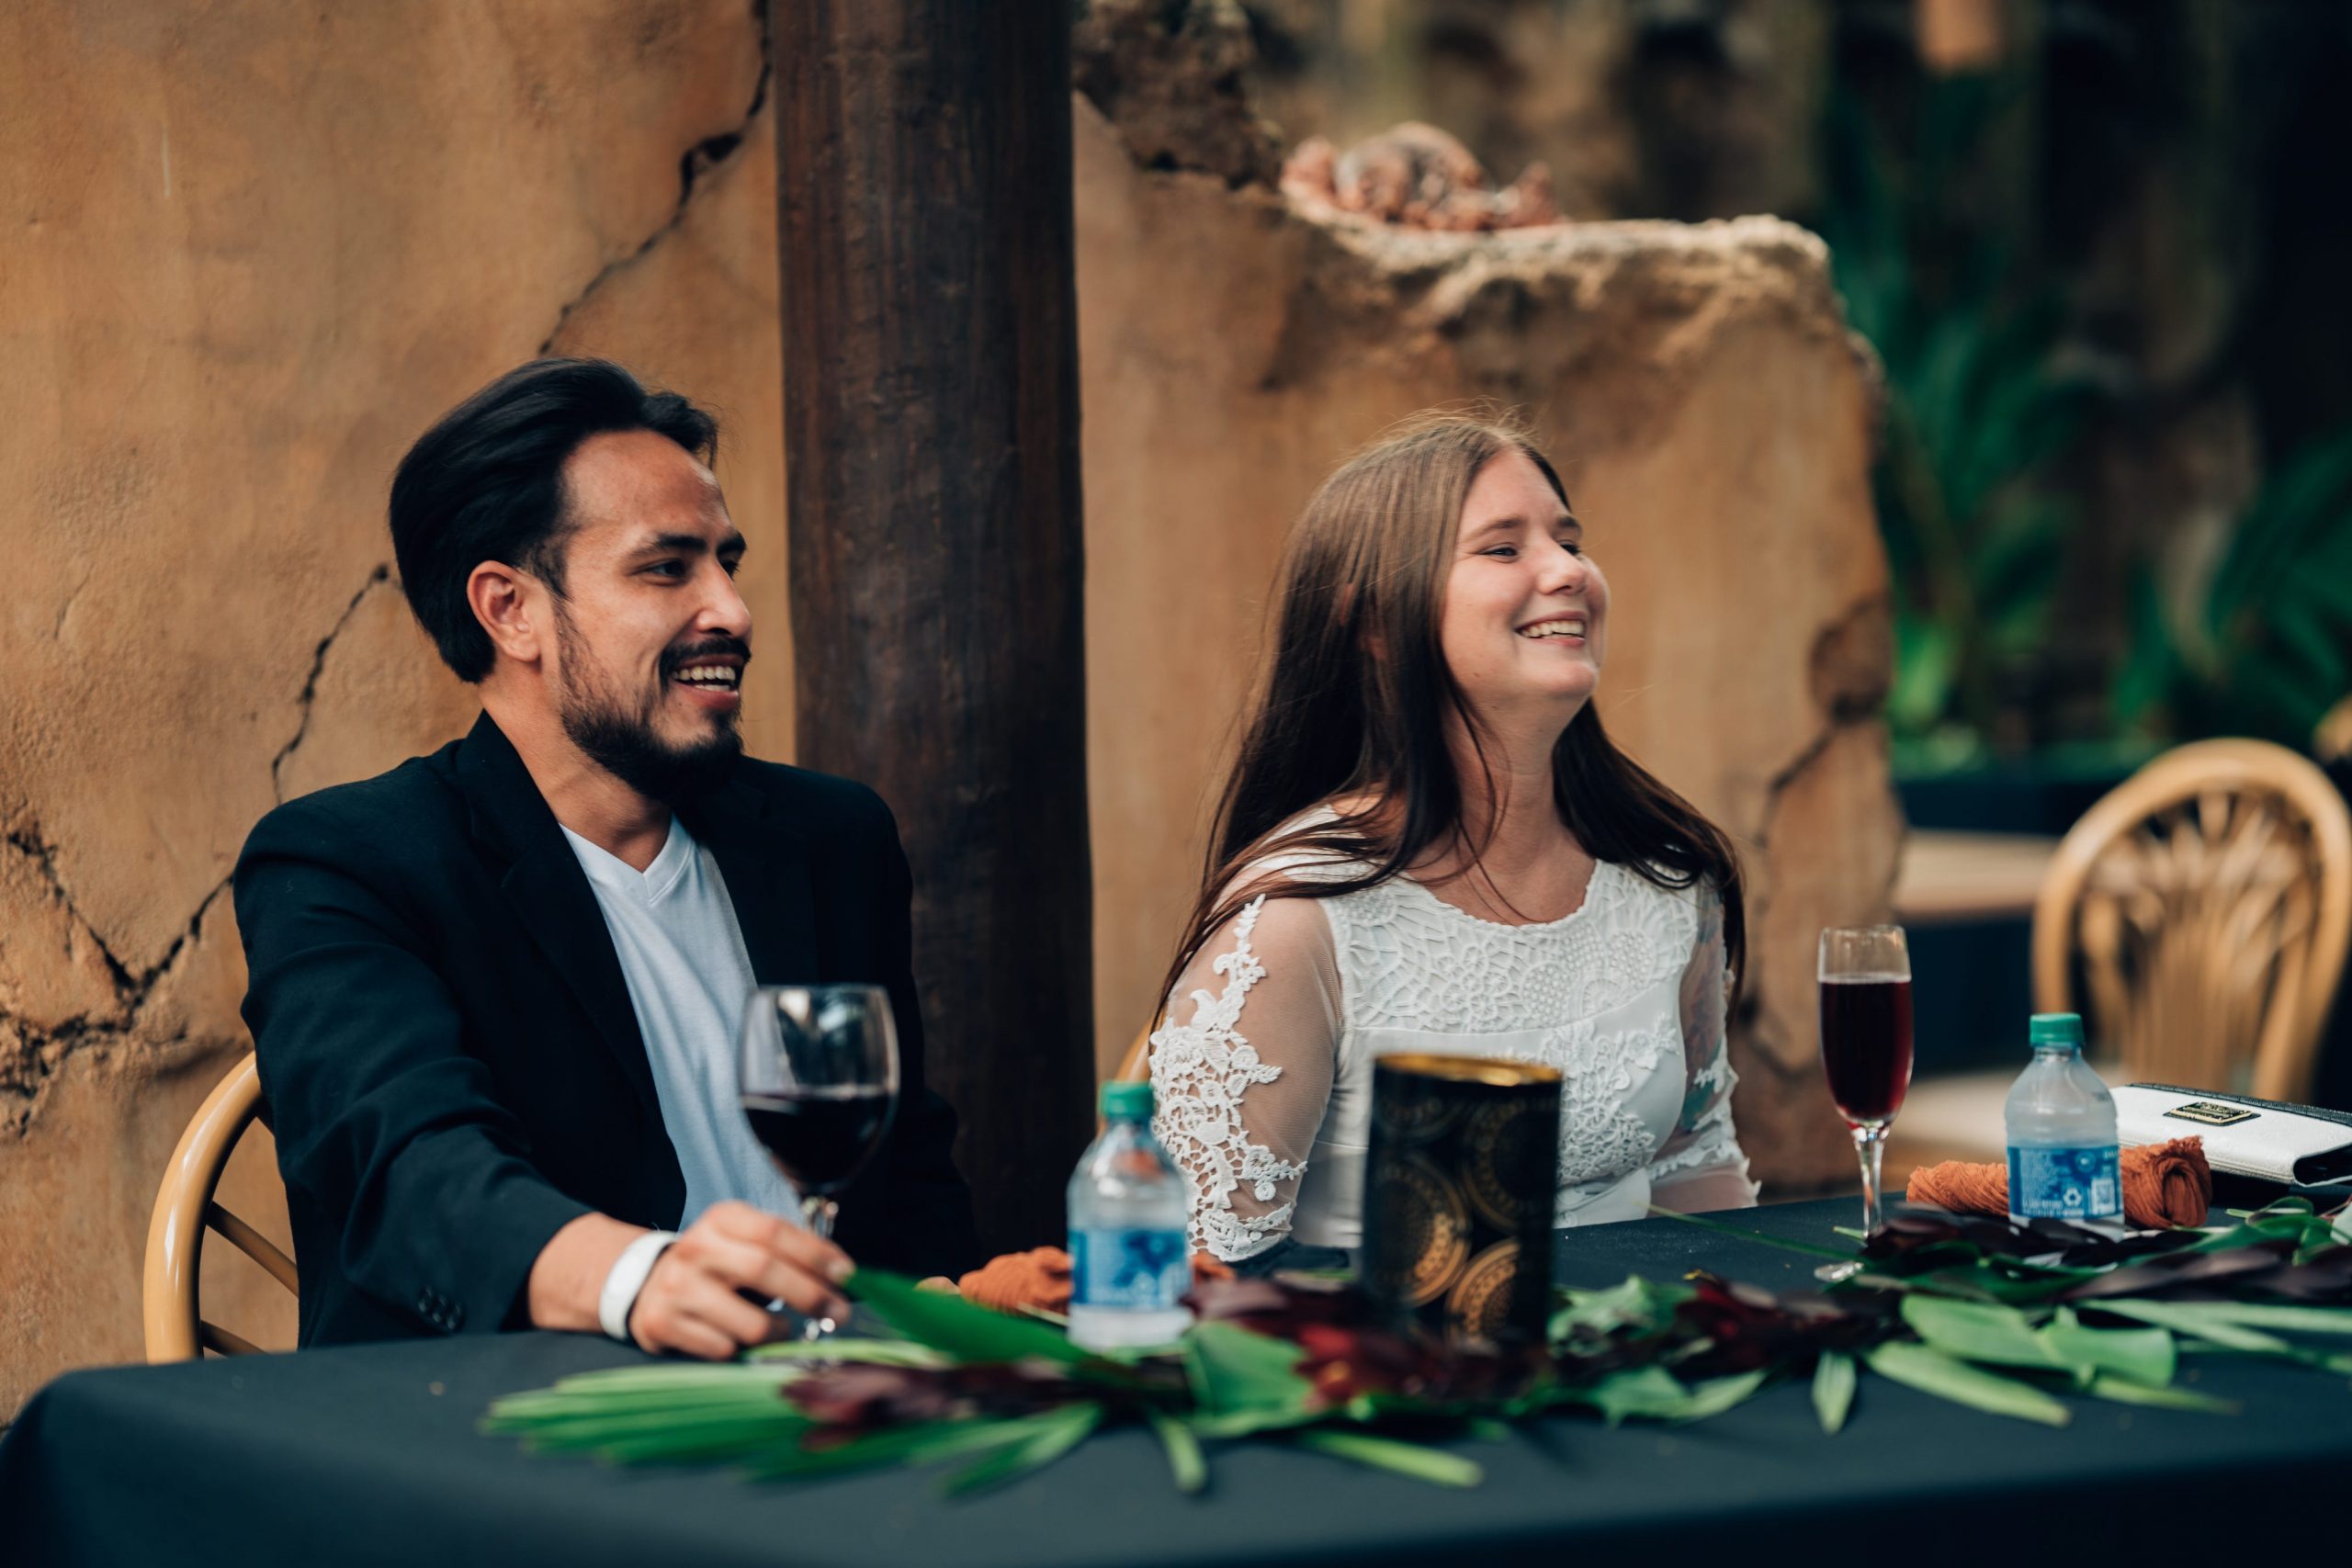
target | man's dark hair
x=486, y=483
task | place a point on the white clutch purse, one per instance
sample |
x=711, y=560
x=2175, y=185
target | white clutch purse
x=2298, y=1144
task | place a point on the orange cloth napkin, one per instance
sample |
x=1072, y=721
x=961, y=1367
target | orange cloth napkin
x=1040, y=1278
x=2164, y=1185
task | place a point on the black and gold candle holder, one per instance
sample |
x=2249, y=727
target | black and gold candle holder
x=1458, y=1194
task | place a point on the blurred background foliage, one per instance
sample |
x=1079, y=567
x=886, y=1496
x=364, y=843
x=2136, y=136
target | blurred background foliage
x=2266, y=648
x=2100, y=250
x=1979, y=409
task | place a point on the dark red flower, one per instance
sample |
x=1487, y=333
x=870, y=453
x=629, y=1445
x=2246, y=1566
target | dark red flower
x=1346, y=1352
x=1746, y=1328
x=847, y=1401
x=1342, y=1363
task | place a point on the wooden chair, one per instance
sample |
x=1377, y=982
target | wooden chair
x=2205, y=905
x=185, y=1210
x=2202, y=910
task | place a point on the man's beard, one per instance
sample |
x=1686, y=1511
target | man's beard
x=622, y=739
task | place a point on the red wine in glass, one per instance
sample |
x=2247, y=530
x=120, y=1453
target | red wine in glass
x=1865, y=977
x=1866, y=1044
x=818, y=1079
x=820, y=1137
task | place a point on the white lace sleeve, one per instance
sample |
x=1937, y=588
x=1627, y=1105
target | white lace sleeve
x=1238, y=1113
x=1701, y=1166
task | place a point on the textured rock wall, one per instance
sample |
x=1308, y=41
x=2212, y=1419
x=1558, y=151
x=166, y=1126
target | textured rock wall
x=1663, y=109
x=246, y=257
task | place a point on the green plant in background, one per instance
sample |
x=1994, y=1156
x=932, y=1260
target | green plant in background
x=1977, y=413
x=2263, y=645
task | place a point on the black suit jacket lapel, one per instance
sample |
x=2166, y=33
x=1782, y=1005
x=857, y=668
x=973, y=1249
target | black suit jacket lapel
x=769, y=880
x=550, y=893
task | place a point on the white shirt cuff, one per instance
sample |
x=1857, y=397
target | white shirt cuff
x=625, y=1280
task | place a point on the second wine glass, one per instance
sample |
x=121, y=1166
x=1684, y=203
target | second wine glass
x=819, y=1069
x=1865, y=977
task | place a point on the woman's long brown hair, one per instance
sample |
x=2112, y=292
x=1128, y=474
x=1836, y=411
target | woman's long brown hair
x=1366, y=568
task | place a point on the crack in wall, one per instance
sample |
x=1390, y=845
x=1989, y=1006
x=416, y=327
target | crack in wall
x=1768, y=1052
x=382, y=573
x=1844, y=707
x=27, y=840
x=693, y=164
x=147, y=981
x=65, y=609
x=29, y=1058
x=31, y=1055
x=1778, y=784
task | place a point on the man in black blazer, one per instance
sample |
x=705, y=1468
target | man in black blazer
x=452, y=1023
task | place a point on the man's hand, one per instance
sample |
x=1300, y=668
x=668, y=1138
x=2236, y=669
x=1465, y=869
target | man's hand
x=691, y=1303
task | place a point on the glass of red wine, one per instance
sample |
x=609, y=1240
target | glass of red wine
x=819, y=1081
x=1866, y=1048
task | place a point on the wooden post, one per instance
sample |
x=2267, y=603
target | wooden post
x=932, y=472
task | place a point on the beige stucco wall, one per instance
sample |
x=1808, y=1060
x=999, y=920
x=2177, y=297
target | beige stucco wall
x=246, y=254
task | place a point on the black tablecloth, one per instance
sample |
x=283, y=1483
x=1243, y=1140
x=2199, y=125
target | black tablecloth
x=368, y=1455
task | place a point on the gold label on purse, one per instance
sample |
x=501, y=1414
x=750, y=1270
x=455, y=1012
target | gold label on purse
x=2212, y=1112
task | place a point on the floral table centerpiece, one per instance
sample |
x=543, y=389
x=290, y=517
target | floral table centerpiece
x=2015, y=1321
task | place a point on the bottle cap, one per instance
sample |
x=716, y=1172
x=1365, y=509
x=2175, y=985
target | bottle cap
x=1126, y=1101
x=2055, y=1028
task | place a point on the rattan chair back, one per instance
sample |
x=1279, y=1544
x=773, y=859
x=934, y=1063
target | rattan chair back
x=2203, y=909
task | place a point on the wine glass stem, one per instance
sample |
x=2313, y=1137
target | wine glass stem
x=817, y=1213
x=1870, y=1143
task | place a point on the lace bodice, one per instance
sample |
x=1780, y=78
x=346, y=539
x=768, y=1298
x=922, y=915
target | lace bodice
x=1262, y=1067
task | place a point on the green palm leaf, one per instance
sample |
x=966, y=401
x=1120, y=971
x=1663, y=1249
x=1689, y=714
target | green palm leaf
x=1056, y=1433
x=953, y=1327
x=1833, y=1390
x=1387, y=1454
x=1931, y=1372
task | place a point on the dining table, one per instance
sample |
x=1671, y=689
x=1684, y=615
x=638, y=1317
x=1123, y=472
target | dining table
x=367, y=1454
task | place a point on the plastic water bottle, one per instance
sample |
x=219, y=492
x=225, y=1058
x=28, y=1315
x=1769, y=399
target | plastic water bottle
x=1130, y=1266
x=2062, y=1133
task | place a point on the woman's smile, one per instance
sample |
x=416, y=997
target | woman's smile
x=1561, y=629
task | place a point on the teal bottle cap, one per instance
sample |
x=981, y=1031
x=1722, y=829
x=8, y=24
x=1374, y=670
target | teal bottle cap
x=1126, y=1101
x=2055, y=1028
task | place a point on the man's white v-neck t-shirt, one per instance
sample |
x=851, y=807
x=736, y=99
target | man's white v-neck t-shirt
x=688, y=975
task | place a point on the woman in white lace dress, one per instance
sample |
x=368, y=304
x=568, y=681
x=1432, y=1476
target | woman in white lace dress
x=1427, y=843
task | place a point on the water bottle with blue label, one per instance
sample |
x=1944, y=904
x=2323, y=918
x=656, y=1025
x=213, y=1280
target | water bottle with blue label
x=1130, y=1265
x=2062, y=1133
